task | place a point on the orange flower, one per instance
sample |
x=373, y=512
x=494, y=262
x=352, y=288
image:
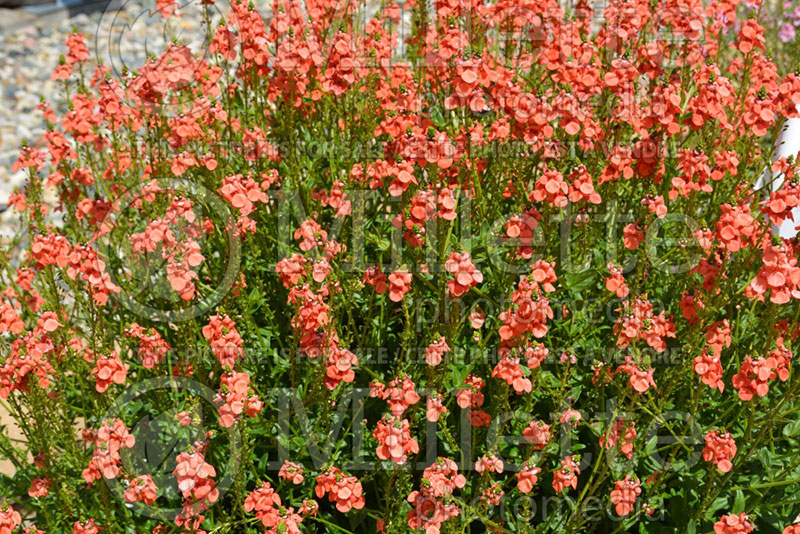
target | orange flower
x=509, y=370
x=733, y=524
x=491, y=464
x=435, y=408
x=620, y=435
x=109, y=370
x=527, y=478
x=754, y=376
x=435, y=351
x=291, y=471
x=394, y=439
x=345, y=491
x=616, y=283
x=399, y=285
x=142, y=488
x=567, y=475
x=710, y=370
x=537, y=433
x=10, y=519
x=720, y=448
x=466, y=275
x=624, y=495
x=750, y=36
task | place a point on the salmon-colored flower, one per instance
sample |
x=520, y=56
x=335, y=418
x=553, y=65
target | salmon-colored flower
x=733, y=524
x=490, y=464
x=567, y=475
x=471, y=396
x=720, y=448
x=624, y=495
x=435, y=351
x=109, y=370
x=342, y=490
x=142, y=489
x=394, y=439
x=429, y=509
x=435, y=408
x=291, y=471
x=399, y=285
x=754, y=376
x=226, y=343
x=527, y=478
x=510, y=370
x=616, y=283
x=620, y=435
x=709, y=368
x=537, y=433
x=196, y=477
x=466, y=275
x=632, y=236
x=89, y=527
x=399, y=395
x=40, y=487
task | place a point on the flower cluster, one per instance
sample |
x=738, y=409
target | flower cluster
x=142, y=489
x=733, y=524
x=567, y=476
x=621, y=435
x=399, y=394
x=196, y=482
x=344, y=491
x=268, y=509
x=10, y=519
x=109, y=440
x=624, y=495
x=639, y=322
x=394, y=438
x=108, y=370
x=152, y=347
x=550, y=221
x=465, y=274
x=225, y=341
x=235, y=398
x=720, y=448
x=430, y=504
x=291, y=471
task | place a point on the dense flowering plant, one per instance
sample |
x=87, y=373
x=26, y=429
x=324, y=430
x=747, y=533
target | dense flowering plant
x=445, y=266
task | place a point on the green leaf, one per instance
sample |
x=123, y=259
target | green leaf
x=580, y=281
x=437, y=118
x=792, y=429
x=766, y=459
x=738, y=503
x=718, y=504
x=651, y=446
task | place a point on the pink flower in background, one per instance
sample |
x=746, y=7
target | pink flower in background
x=787, y=32
x=794, y=16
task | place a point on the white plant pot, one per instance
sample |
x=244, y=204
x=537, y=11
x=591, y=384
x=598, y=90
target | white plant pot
x=787, y=144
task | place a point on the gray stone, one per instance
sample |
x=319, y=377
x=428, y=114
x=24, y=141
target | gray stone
x=14, y=19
